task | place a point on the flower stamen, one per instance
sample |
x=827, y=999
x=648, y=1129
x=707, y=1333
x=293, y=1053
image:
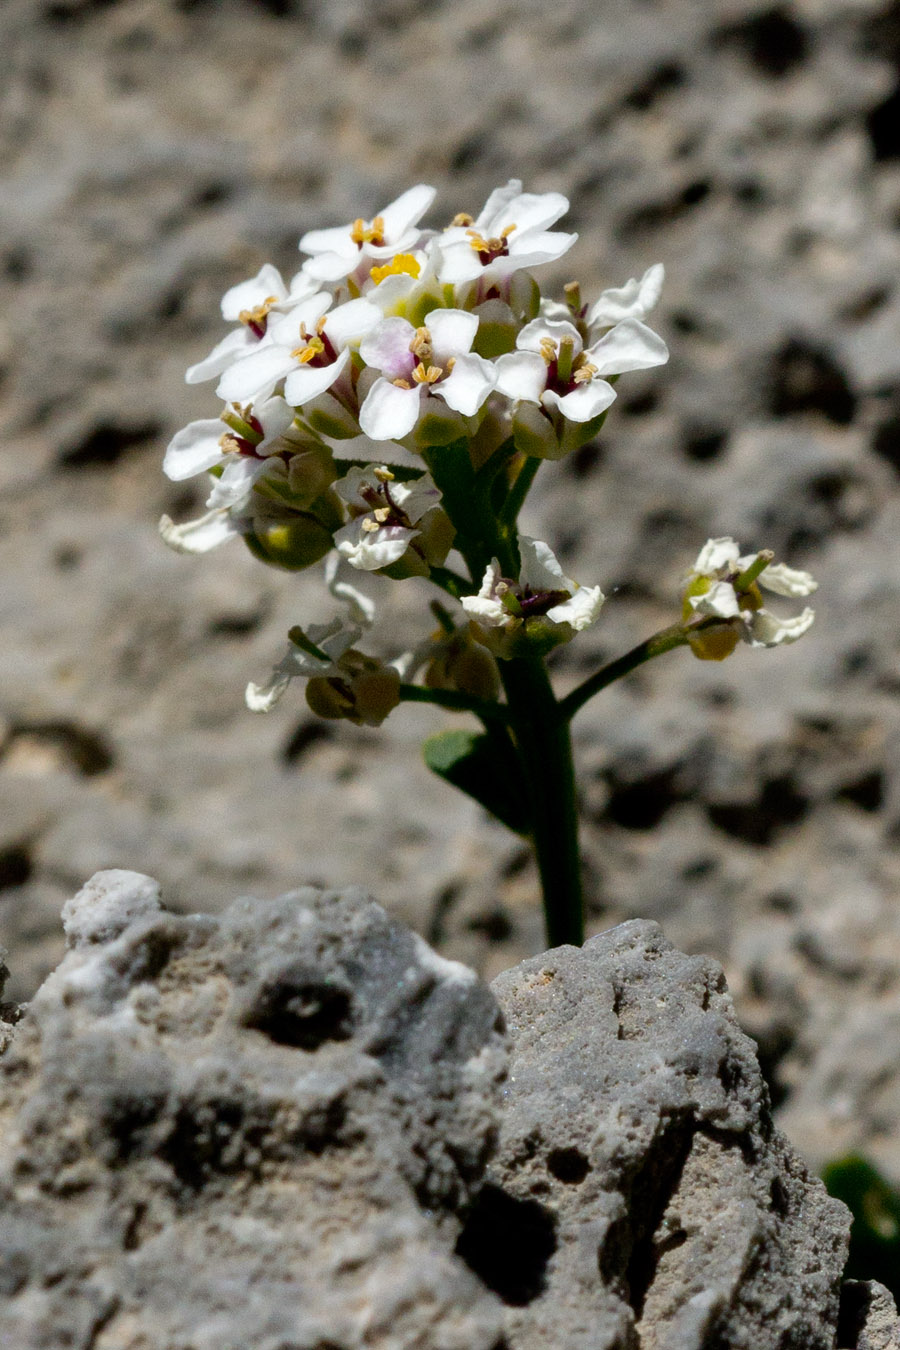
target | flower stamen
x=361, y=233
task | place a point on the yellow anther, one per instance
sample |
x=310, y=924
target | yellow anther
x=369, y=526
x=548, y=349
x=259, y=312
x=401, y=384
x=381, y=514
x=421, y=344
x=320, y=326
x=427, y=375
x=361, y=233
x=449, y=364
x=383, y=474
x=584, y=373
x=229, y=444
x=314, y=347
x=462, y=218
x=403, y=263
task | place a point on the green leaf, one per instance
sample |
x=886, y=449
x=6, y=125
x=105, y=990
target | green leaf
x=485, y=766
x=875, y=1233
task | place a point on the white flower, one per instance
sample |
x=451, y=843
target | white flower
x=510, y=232
x=308, y=348
x=634, y=300
x=552, y=367
x=203, y=534
x=331, y=640
x=346, y=249
x=724, y=584
x=542, y=593
x=384, y=513
x=251, y=302
x=416, y=362
x=218, y=441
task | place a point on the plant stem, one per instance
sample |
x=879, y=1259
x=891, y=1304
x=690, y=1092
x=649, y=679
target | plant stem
x=545, y=750
x=666, y=640
x=449, y=698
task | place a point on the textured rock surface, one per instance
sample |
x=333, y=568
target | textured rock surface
x=155, y=152
x=269, y=1131
x=636, y=1142
x=246, y=1133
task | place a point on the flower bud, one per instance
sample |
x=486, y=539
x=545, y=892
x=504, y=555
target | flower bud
x=295, y=542
x=364, y=691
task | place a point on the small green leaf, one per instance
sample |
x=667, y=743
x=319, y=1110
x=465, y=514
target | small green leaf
x=875, y=1233
x=485, y=767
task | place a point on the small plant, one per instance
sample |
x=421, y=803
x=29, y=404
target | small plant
x=441, y=343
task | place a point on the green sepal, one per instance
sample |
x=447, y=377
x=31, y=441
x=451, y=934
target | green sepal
x=484, y=766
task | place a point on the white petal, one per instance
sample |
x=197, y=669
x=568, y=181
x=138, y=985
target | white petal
x=256, y=375
x=458, y=262
x=416, y=497
x=529, y=212
x=580, y=610
x=194, y=449
x=232, y=347
x=497, y=203
x=248, y=294
x=631, y=345
x=634, y=300
x=274, y=416
x=407, y=210
x=540, y=567
x=766, y=630
x=452, y=332
x=716, y=554
x=306, y=382
x=521, y=375
x=285, y=329
x=787, y=580
x=328, y=268
x=199, y=536
x=370, y=550
x=468, y=385
x=534, y=248
x=720, y=601
x=386, y=348
x=534, y=333
x=487, y=611
x=351, y=321
x=586, y=400
x=336, y=239
x=348, y=487
x=390, y=413
x=237, y=480
x=361, y=607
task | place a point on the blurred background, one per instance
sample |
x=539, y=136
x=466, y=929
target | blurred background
x=154, y=152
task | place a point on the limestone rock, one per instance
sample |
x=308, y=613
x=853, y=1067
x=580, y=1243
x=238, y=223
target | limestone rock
x=245, y=1133
x=640, y=1195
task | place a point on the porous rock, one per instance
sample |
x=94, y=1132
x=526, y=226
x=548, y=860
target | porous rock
x=640, y=1195
x=294, y=1127
x=251, y=1131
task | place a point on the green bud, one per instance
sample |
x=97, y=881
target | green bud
x=439, y=425
x=327, y=416
x=293, y=543
x=497, y=329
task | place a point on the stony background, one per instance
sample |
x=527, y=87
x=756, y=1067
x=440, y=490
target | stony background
x=155, y=152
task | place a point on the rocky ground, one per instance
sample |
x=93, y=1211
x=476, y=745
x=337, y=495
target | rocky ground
x=155, y=152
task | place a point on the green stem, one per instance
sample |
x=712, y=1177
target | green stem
x=449, y=698
x=545, y=751
x=518, y=492
x=452, y=582
x=666, y=640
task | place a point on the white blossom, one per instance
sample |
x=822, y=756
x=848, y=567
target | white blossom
x=435, y=359
x=384, y=515
x=634, y=300
x=343, y=250
x=712, y=592
x=510, y=232
x=214, y=442
x=251, y=302
x=332, y=640
x=542, y=591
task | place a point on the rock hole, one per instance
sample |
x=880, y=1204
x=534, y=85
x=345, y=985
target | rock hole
x=87, y=752
x=660, y=82
x=658, y=214
x=508, y=1243
x=16, y=265
x=853, y=1312
x=705, y=443
x=583, y=462
x=16, y=866
x=495, y=925
x=866, y=792
x=779, y=803
x=805, y=378
x=773, y=41
x=568, y=1165
x=883, y=126
x=298, y=1008
x=642, y=803
x=651, y=1193
x=639, y=405
x=304, y=736
x=886, y=441
x=107, y=442
x=127, y=1121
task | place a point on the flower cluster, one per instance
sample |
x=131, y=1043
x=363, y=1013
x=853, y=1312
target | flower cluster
x=398, y=344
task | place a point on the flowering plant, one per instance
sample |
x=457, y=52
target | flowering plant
x=441, y=343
